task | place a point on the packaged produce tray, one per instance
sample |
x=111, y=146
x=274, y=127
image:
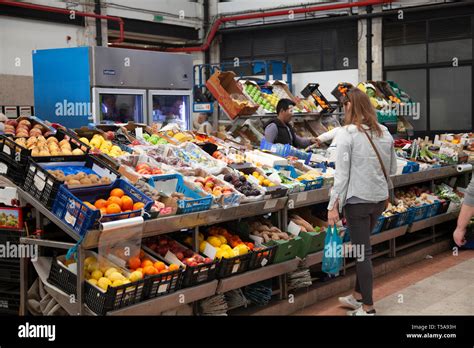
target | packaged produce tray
x=308, y=184
x=250, y=192
x=43, y=185
x=69, y=205
x=275, y=191
x=198, y=201
x=97, y=299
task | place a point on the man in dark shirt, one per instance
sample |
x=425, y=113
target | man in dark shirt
x=279, y=129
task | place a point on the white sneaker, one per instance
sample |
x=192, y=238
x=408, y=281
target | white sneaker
x=350, y=302
x=360, y=312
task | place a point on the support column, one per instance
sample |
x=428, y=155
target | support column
x=377, y=66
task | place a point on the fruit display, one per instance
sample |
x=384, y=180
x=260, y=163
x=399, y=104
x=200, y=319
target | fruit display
x=267, y=101
x=143, y=265
x=154, y=139
x=166, y=157
x=162, y=205
x=220, y=156
x=262, y=179
x=211, y=185
x=138, y=166
x=163, y=245
x=413, y=197
x=40, y=146
x=242, y=185
x=116, y=203
x=265, y=230
x=25, y=128
x=303, y=224
x=196, y=157
x=98, y=142
x=226, y=244
x=80, y=178
x=444, y=191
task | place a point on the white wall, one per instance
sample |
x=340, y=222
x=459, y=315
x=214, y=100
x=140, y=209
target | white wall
x=19, y=37
x=246, y=5
x=327, y=80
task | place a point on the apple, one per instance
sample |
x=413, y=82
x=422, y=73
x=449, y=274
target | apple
x=209, y=179
x=135, y=142
x=188, y=253
x=110, y=135
x=193, y=264
x=143, y=171
x=180, y=255
x=12, y=123
x=153, y=246
x=189, y=260
x=207, y=260
x=163, y=242
x=157, y=171
x=142, y=166
x=162, y=250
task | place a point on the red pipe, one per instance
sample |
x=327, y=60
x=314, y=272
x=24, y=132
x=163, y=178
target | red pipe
x=218, y=22
x=68, y=12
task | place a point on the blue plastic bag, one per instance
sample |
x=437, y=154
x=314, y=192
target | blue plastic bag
x=333, y=251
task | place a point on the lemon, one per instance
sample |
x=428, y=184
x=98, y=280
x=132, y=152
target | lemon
x=219, y=254
x=256, y=174
x=84, y=140
x=92, y=281
x=93, y=267
x=104, y=283
x=135, y=276
x=202, y=246
x=89, y=260
x=266, y=182
x=214, y=241
x=222, y=239
x=225, y=247
x=109, y=271
x=117, y=282
x=115, y=276
x=96, y=275
x=242, y=249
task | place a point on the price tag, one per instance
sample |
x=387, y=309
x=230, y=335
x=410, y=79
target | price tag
x=162, y=288
x=406, y=147
x=139, y=132
x=39, y=183
x=258, y=240
x=235, y=268
x=171, y=258
x=71, y=220
x=6, y=149
x=294, y=229
x=264, y=262
x=302, y=196
x=3, y=168
x=210, y=251
x=270, y=204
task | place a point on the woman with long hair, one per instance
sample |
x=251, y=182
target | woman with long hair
x=365, y=160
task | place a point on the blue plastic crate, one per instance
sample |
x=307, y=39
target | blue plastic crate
x=308, y=184
x=419, y=213
x=433, y=209
x=70, y=208
x=404, y=218
x=390, y=222
x=195, y=204
x=380, y=223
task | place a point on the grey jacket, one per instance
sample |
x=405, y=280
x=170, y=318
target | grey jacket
x=358, y=171
x=469, y=194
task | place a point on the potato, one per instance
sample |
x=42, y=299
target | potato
x=60, y=177
x=64, y=142
x=73, y=182
x=105, y=180
x=66, y=151
x=35, y=152
x=94, y=178
x=85, y=181
x=51, y=140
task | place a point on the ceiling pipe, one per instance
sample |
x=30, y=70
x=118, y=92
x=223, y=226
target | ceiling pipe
x=68, y=12
x=215, y=27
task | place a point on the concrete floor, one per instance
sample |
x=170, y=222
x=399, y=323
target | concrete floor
x=442, y=285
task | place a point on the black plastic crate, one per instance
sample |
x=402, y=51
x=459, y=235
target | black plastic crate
x=390, y=222
x=98, y=301
x=163, y=283
x=200, y=274
x=444, y=206
x=340, y=91
x=10, y=270
x=44, y=186
x=233, y=266
x=9, y=299
x=263, y=257
x=312, y=89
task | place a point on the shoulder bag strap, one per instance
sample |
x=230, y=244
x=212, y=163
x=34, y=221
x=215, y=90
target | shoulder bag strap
x=378, y=155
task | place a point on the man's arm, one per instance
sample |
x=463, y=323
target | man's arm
x=302, y=142
x=271, y=132
x=467, y=211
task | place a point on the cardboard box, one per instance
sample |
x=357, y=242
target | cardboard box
x=222, y=85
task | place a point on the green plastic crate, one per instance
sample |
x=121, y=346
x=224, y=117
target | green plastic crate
x=287, y=249
x=311, y=242
x=386, y=116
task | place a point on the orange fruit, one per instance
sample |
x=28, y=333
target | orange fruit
x=100, y=203
x=117, y=192
x=90, y=205
x=127, y=203
x=113, y=209
x=146, y=263
x=149, y=270
x=134, y=262
x=114, y=200
x=164, y=271
x=159, y=266
x=138, y=206
x=173, y=267
x=103, y=211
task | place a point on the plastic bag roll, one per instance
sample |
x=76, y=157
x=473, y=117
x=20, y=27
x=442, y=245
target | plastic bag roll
x=464, y=167
x=105, y=226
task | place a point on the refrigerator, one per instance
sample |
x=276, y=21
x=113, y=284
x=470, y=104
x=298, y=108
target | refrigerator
x=82, y=85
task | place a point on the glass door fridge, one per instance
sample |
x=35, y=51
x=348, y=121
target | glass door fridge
x=116, y=105
x=170, y=106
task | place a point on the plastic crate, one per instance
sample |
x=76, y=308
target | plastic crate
x=69, y=206
x=263, y=257
x=195, y=204
x=311, y=242
x=9, y=299
x=404, y=218
x=379, y=225
x=419, y=213
x=44, y=186
x=286, y=249
x=390, y=222
x=15, y=171
x=162, y=284
x=443, y=206
x=312, y=89
x=100, y=302
x=19, y=154
x=200, y=274
x=433, y=209
x=308, y=184
x=233, y=266
x=10, y=270
x=389, y=116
